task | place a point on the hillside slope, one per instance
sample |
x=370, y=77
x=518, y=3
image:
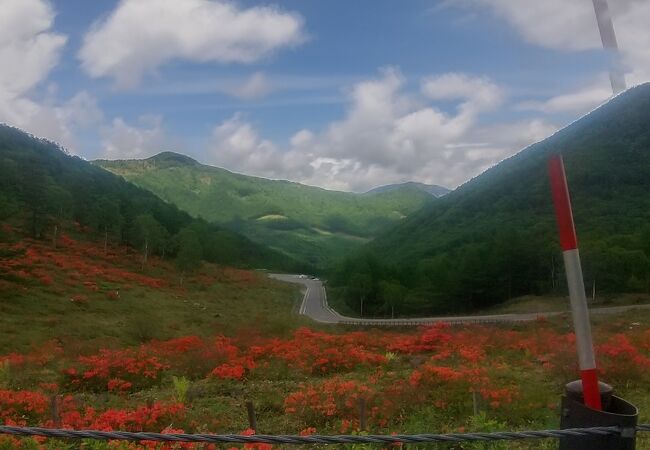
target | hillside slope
x=495, y=237
x=307, y=222
x=433, y=189
x=41, y=187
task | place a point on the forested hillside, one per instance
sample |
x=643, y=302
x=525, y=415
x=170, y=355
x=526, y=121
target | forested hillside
x=494, y=238
x=309, y=223
x=42, y=189
x=436, y=191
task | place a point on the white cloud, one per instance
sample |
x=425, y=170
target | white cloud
x=478, y=93
x=123, y=141
x=387, y=135
x=82, y=110
x=302, y=138
x=60, y=122
x=240, y=144
x=257, y=86
x=557, y=24
x=633, y=35
x=571, y=26
x=497, y=141
x=577, y=102
x=396, y=135
x=141, y=35
x=28, y=51
x=236, y=145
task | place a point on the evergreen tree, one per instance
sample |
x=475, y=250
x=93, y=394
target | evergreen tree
x=107, y=218
x=392, y=293
x=34, y=197
x=189, y=254
x=149, y=235
x=60, y=206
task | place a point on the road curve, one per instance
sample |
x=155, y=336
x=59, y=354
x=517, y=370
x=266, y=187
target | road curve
x=314, y=302
x=314, y=305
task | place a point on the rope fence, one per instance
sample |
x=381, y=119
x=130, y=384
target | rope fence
x=319, y=439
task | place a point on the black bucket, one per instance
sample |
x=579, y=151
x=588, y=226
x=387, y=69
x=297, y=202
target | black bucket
x=616, y=412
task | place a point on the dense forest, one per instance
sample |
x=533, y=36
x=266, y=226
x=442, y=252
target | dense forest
x=308, y=223
x=42, y=189
x=495, y=237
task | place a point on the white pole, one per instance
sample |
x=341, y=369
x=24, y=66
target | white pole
x=610, y=44
x=578, y=297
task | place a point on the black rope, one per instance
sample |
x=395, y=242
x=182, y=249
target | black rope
x=313, y=439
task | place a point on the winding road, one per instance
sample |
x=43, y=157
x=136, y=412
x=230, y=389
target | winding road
x=314, y=305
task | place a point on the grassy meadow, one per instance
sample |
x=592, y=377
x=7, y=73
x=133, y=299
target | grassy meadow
x=120, y=346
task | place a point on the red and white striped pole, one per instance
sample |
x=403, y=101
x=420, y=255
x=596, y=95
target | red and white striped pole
x=569, y=243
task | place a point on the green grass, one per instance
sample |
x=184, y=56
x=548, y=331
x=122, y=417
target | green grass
x=245, y=306
x=212, y=301
x=316, y=248
x=33, y=317
x=541, y=303
x=283, y=215
x=224, y=401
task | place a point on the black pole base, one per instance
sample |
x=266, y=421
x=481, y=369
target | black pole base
x=616, y=412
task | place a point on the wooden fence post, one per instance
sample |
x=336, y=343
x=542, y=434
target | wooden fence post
x=252, y=419
x=475, y=403
x=362, y=414
x=54, y=409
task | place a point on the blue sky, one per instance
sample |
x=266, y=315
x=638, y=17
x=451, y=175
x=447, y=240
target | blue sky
x=341, y=94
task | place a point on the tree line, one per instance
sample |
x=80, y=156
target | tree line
x=495, y=237
x=482, y=274
x=42, y=188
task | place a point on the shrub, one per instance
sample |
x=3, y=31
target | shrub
x=181, y=386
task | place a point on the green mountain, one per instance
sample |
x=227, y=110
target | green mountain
x=433, y=189
x=495, y=237
x=42, y=188
x=306, y=222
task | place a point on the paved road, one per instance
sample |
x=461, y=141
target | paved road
x=314, y=305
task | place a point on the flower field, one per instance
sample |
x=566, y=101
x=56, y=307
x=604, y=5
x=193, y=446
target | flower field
x=207, y=356
x=87, y=298
x=313, y=380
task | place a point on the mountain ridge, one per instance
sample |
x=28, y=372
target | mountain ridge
x=50, y=187
x=306, y=222
x=170, y=158
x=495, y=237
x=433, y=189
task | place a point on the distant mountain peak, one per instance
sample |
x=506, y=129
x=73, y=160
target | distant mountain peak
x=172, y=159
x=432, y=189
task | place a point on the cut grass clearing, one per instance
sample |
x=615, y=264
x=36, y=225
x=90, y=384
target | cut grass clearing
x=542, y=304
x=273, y=217
x=91, y=311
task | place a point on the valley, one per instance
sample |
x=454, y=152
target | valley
x=312, y=225
x=122, y=334
x=361, y=225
